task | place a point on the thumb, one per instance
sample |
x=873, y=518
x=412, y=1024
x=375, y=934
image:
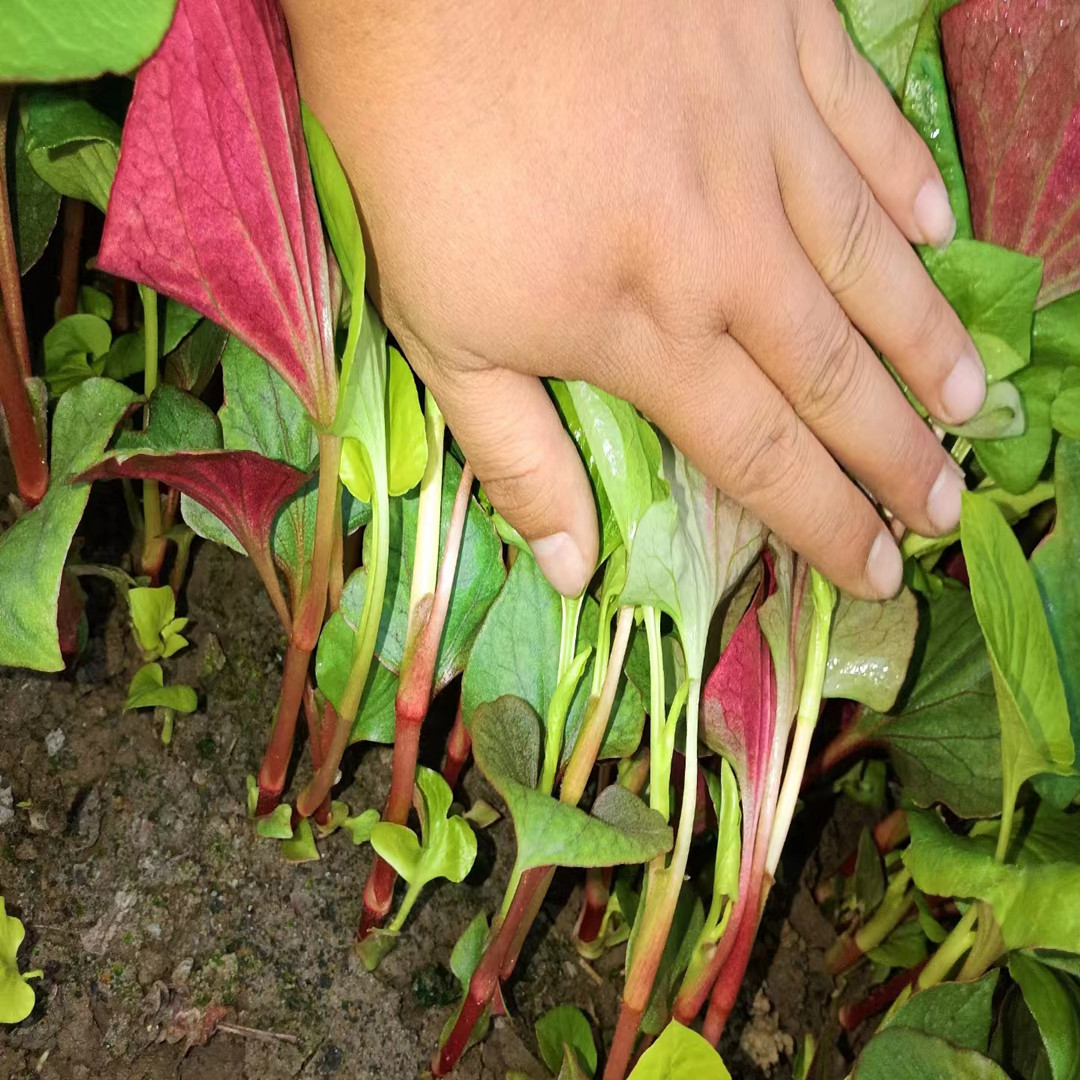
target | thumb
x=529, y=466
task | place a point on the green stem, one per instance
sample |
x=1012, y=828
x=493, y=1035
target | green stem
x=555, y=721
x=824, y=595
x=1008, y=811
x=153, y=549
x=659, y=762
x=571, y=613
x=407, y=902
x=960, y=939
x=425, y=569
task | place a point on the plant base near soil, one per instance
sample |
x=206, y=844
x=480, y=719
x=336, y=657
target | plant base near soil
x=136, y=873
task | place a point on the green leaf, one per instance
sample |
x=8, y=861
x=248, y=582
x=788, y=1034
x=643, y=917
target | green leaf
x=943, y=736
x=621, y=828
x=689, y=551
x=1054, y=564
x=127, y=356
x=680, y=1053
x=448, y=846
x=566, y=1026
x=479, y=577
x=276, y=825
x=34, y=203
x=959, y=1013
x=153, y=618
x=375, y=717
x=903, y=1054
x=73, y=350
x=993, y=291
x=903, y=948
x=16, y=997
x=71, y=145
x=300, y=847
x=190, y=365
x=407, y=445
x=870, y=647
x=464, y=960
x=335, y=201
x=1055, y=337
x=866, y=782
x=926, y=105
x=33, y=550
x=1017, y=463
x=626, y=453
x=1000, y=417
x=610, y=537
x=178, y=421
x=66, y=40
x=95, y=302
x=1054, y=1001
x=1035, y=733
x=359, y=827
x=148, y=691
x=1065, y=412
x=1026, y=899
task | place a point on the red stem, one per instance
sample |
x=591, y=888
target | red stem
x=315, y=745
x=121, y=318
x=594, y=907
x=410, y=708
x=726, y=989
x=889, y=832
x=25, y=439
x=842, y=746
x=74, y=220
x=622, y=1045
x=458, y=747
x=851, y=1016
x=485, y=979
x=275, y=762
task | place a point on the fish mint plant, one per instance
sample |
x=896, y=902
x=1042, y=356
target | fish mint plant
x=220, y=363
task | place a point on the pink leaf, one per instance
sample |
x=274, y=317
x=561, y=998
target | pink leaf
x=213, y=202
x=242, y=488
x=1014, y=70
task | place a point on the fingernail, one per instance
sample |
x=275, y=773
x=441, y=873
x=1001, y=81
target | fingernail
x=943, y=502
x=933, y=214
x=884, y=567
x=561, y=562
x=964, y=391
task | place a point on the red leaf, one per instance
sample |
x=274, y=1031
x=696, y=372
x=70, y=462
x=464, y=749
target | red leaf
x=738, y=712
x=1014, y=70
x=242, y=488
x=213, y=201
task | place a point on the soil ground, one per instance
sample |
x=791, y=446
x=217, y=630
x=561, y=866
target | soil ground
x=149, y=902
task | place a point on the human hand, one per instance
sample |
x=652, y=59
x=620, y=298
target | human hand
x=704, y=208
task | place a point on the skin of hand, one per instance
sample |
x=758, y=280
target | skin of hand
x=706, y=208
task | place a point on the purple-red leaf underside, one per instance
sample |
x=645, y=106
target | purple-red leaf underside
x=213, y=201
x=1014, y=71
x=242, y=488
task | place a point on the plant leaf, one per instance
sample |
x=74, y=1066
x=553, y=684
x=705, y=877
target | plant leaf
x=621, y=828
x=959, y=1013
x=926, y=106
x=1026, y=899
x=1054, y=1001
x=177, y=421
x=680, y=1052
x=1065, y=412
x=33, y=550
x=191, y=364
x=944, y=737
x=1017, y=463
x=34, y=203
x=885, y=34
x=71, y=145
x=1035, y=731
x=1001, y=416
x=870, y=647
x=689, y=551
x=566, y=1026
x=276, y=825
x=448, y=847
x=16, y=996
x=1014, y=70
x=66, y=40
x=993, y=290
x=1054, y=564
x=359, y=827
x=219, y=212
x=300, y=847
x=241, y=488
x=152, y=610
x=148, y=690
x=73, y=349
x=903, y=1054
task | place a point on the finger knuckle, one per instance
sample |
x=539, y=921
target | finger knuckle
x=859, y=241
x=832, y=367
x=844, y=95
x=761, y=462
